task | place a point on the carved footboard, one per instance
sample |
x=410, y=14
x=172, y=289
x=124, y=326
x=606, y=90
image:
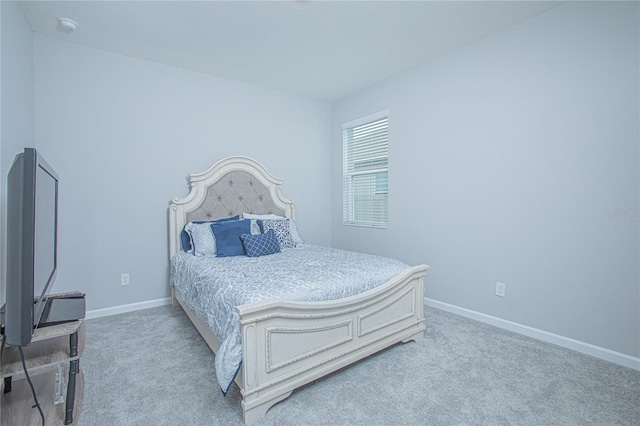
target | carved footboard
x=289, y=344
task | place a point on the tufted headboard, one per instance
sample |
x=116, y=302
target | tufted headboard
x=230, y=187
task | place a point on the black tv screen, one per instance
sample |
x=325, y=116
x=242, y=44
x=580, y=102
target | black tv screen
x=32, y=242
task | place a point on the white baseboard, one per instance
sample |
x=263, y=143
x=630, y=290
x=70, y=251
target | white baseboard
x=97, y=313
x=566, y=342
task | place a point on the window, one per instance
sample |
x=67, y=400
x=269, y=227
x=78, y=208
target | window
x=366, y=171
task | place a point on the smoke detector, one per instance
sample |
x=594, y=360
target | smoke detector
x=67, y=25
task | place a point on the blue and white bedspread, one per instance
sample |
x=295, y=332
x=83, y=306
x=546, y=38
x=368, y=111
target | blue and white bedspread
x=213, y=286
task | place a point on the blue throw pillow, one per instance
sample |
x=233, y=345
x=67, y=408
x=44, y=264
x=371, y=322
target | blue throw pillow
x=261, y=244
x=228, y=242
x=185, y=238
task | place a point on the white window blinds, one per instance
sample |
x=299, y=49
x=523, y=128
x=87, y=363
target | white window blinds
x=366, y=183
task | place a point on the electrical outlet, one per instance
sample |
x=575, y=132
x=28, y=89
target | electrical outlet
x=124, y=279
x=500, y=289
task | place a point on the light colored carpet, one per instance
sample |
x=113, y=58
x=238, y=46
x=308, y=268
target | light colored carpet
x=151, y=367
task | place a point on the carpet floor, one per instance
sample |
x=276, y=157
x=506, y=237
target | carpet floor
x=151, y=367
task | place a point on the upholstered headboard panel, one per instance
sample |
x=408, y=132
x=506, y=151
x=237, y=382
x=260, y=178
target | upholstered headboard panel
x=230, y=187
x=234, y=193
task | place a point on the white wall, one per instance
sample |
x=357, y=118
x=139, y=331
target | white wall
x=505, y=158
x=124, y=133
x=16, y=106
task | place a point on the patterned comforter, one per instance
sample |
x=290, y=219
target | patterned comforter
x=213, y=286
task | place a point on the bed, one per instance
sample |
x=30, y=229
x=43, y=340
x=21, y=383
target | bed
x=285, y=344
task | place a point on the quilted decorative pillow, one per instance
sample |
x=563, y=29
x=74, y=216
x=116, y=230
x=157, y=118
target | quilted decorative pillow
x=261, y=244
x=202, y=241
x=292, y=224
x=255, y=228
x=227, y=234
x=294, y=232
x=282, y=230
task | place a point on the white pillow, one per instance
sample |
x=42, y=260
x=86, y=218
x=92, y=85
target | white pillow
x=292, y=224
x=261, y=216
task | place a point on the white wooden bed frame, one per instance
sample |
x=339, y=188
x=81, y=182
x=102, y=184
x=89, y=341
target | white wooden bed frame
x=288, y=344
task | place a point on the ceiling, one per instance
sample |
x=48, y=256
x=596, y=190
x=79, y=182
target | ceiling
x=319, y=49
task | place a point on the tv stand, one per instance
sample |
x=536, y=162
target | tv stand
x=53, y=350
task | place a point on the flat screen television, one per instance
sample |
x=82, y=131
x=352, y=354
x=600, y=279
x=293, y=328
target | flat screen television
x=32, y=243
